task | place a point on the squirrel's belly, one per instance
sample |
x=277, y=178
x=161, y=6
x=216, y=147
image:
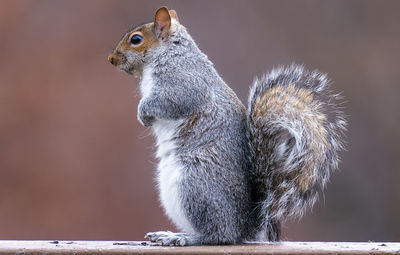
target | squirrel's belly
x=170, y=174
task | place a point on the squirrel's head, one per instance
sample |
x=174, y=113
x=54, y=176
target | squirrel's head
x=130, y=53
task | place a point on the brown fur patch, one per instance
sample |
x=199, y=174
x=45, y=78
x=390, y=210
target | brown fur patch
x=190, y=122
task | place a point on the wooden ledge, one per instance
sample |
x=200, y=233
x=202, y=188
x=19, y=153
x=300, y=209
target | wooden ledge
x=123, y=247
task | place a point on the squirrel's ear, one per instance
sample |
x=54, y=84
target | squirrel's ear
x=162, y=23
x=173, y=15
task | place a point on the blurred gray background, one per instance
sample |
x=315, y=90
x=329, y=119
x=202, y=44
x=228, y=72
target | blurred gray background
x=76, y=164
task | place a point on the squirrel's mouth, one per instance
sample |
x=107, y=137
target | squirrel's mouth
x=130, y=70
x=119, y=60
x=127, y=68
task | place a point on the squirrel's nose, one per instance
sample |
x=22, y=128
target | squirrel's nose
x=113, y=59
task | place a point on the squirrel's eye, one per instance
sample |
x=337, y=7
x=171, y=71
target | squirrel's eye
x=136, y=39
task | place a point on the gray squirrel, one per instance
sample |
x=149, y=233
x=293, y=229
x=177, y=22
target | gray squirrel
x=227, y=174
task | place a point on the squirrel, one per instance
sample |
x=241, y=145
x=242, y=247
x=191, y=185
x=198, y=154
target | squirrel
x=227, y=174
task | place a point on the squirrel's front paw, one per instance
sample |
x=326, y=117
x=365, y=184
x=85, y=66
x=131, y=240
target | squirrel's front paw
x=146, y=120
x=168, y=238
x=145, y=117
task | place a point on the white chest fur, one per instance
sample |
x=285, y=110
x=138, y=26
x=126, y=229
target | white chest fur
x=147, y=83
x=170, y=173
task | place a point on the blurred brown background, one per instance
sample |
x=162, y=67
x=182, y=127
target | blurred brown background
x=76, y=164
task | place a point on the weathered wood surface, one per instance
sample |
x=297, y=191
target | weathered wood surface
x=123, y=247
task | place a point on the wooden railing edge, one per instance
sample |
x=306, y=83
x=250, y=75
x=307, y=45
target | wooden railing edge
x=138, y=247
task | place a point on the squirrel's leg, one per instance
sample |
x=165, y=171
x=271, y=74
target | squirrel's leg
x=168, y=238
x=217, y=214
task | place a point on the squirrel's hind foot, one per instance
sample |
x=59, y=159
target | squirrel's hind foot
x=168, y=238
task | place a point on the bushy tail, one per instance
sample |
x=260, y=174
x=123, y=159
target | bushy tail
x=295, y=132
